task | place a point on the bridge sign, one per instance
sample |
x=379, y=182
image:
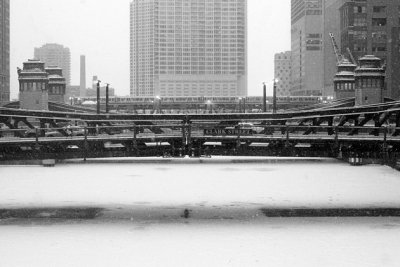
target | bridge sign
x=225, y=132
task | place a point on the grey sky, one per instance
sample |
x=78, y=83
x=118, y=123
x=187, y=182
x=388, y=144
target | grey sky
x=100, y=30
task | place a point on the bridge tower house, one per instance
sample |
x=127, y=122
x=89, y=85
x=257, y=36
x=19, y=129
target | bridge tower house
x=370, y=81
x=56, y=85
x=33, y=84
x=344, y=80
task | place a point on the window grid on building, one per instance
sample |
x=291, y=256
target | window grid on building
x=196, y=42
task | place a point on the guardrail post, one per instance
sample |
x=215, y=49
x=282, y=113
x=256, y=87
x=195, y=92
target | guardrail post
x=385, y=147
x=189, y=139
x=135, y=144
x=238, y=143
x=85, y=144
x=287, y=136
x=336, y=147
x=336, y=136
x=37, y=146
x=184, y=140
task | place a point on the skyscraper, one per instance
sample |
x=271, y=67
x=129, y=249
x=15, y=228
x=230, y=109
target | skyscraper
x=4, y=51
x=283, y=72
x=372, y=27
x=188, y=48
x=56, y=55
x=307, y=47
x=331, y=25
x=82, y=84
x=313, y=59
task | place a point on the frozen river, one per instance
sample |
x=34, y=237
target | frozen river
x=140, y=206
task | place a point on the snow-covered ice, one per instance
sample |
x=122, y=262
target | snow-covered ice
x=280, y=184
x=142, y=224
x=265, y=242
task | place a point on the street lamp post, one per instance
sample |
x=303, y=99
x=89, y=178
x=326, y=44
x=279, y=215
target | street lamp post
x=274, y=97
x=98, y=96
x=107, y=98
x=264, y=98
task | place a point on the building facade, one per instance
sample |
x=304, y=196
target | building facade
x=331, y=25
x=56, y=85
x=283, y=73
x=55, y=55
x=4, y=51
x=371, y=27
x=188, y=48
x=307, y=48
x=314, y=62
x=39, y=84
x=82, y=83
x=33, y=86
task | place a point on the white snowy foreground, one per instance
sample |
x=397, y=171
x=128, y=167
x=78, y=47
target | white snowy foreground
x=143, y=201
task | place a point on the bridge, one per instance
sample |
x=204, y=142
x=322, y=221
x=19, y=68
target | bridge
x=371, y=131
x=203, y=104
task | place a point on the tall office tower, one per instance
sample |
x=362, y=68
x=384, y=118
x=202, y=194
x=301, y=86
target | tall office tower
x=331, y=25
x=307, y=48
x=283, y=72
x=372, y=27
x=188, y=48
x=82, y=85
x=56, y=55
x=4, y=51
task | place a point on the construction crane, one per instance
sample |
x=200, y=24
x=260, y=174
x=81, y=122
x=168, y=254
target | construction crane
x=351, y=56
x=339, y=56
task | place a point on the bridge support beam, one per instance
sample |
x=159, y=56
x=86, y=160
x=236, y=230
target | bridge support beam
x=361, y=123
x=315, y=122
x=397, y=132
x=331, y=130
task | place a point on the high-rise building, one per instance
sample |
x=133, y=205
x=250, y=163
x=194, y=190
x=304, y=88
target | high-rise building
x=188, y=48
x=56, y=55
x=283, y=72
x=307, y=47
x=4, y=51
x=371, y=27
x=331, y=25
x=314, y=62
x=82, y=84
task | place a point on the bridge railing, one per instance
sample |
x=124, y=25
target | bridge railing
x=200, y=129
x=185, y=138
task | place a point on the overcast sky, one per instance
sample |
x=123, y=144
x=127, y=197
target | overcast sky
x=99, y=29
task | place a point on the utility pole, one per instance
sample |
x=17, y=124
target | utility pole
x=265, y=98
x=107, y=98
x=274, y=98
x=98, y=96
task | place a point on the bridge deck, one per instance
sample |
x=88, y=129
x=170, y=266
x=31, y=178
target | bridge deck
x=373, y=128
